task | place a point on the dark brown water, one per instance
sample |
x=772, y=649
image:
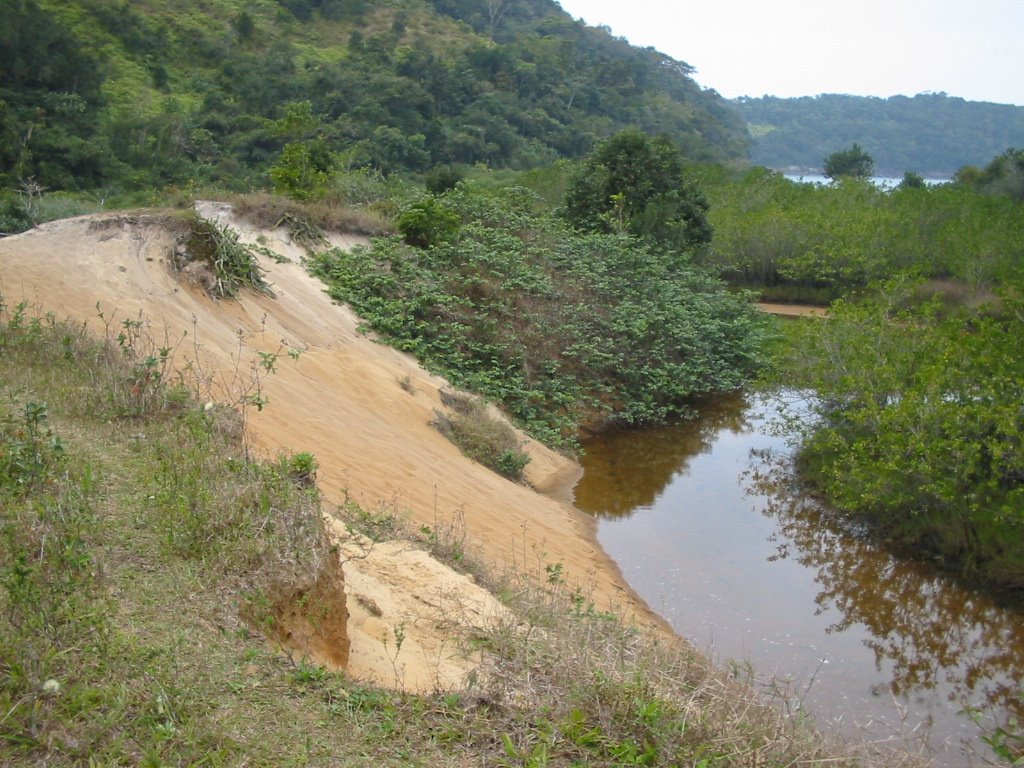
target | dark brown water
x=701, y=520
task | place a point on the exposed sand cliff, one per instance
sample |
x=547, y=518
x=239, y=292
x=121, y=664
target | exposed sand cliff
x=362, y=408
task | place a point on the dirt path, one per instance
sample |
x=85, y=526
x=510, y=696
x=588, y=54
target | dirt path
x=362, y=408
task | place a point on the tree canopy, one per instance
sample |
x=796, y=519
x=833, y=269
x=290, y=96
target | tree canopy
x=853, y=162
x=633, y=184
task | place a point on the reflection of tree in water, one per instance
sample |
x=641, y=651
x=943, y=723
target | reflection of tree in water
x=930, y=630
x=626, y=470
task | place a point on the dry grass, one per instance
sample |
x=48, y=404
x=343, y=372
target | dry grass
x=566, y=684
x=307, y=220
x=480, y=436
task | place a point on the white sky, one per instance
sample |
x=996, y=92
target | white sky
x=968, y=48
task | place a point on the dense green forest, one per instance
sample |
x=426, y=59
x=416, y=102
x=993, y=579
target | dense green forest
x=932, y=134
x=112, y=95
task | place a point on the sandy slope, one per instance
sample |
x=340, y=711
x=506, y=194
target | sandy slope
x=362, y=408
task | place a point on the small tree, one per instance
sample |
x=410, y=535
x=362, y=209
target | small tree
x=853, y=162
x=912, y=180
x=634, y=184
x=428, y=222
x=302, y=170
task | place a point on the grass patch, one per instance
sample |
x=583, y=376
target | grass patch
x=480, y=436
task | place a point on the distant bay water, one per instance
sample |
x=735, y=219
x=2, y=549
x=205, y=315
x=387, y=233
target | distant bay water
x=883, y=182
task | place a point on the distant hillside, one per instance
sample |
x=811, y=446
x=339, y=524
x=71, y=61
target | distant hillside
x=932, y=134
x=107, y=92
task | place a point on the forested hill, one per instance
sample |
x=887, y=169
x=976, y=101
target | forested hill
x=155, y=92
x=931, y=134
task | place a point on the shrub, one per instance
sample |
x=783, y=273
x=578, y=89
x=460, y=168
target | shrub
x=427, y=223
x=442, y=179
x=302, y=468
x=481, y=437
x=557, y=327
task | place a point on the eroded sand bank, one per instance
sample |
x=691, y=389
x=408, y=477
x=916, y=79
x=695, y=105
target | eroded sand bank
x=362, y=408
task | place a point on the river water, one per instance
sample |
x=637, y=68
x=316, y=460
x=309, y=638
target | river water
x=703, y=522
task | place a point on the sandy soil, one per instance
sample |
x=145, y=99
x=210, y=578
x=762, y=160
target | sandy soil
x=793, y=310
x=362, y=408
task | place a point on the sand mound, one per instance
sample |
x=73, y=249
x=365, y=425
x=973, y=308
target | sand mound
x=362, y=408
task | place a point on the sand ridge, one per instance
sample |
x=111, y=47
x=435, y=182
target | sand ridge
x=364, y=410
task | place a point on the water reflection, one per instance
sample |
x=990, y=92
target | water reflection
x=627, y=470
x=931, y=634
x=703, y=521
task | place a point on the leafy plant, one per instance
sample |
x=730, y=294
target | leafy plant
x=302, y=468
x=555, y=326
x=29, y=451
x=428, y=222
x=920, y=429
x=634, y=184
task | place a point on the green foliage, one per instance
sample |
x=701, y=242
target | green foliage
x=920, y=426
x=50, y=101
x=14, y=218
x=29, y=451
x=912, y=180
x=302, y=170
x=556, y=326
x=428, y=222
x=632, y=184
x=853, y=162
x=103, y=93
x=302, y=468
x=442, y=179
x=808, y=242
x=1004, y=175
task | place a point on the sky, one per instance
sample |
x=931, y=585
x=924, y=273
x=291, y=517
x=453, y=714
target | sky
x=973, y=49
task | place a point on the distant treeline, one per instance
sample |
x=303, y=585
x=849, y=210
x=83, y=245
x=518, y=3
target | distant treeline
x=931, y=134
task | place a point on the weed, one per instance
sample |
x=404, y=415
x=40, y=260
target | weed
x=302, y=468
x=29, y=451
x=381, y=524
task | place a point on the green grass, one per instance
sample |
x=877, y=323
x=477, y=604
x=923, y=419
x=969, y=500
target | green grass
x=134, y=535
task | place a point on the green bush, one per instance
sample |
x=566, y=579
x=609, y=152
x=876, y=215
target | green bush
x=920, y=428
x=556, y=326
x=29, y=451
x=428, y=222
x=14, y=218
